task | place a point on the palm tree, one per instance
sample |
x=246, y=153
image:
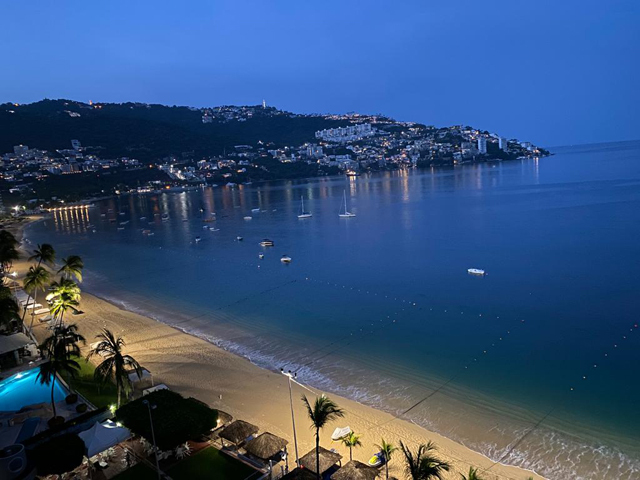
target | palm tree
x=9, y=309
x=72, y=266
x=36, y=279
x=115, y=365
x=322, y=412
x=351, y=440
x=66, y=336
x=423, y=465
x=387, y=449
x=473, y=475
x=8, y=250
x=64, y=295
x=59, y=362
x=44, y=253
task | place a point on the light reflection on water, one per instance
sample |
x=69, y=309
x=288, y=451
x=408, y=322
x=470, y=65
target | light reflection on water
x=541, y=228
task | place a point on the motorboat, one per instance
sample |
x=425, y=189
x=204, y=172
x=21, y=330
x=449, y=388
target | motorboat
x=303, y=214
x=267, y=243
x=255, y=210
x=213, y=229
x=476, y=271
x=344, y=213
x=285, y=259
x=261, y=256
x=239, y=238
x=197, y=239
x=248, y=217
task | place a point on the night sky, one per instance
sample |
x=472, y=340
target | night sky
x=552, y=72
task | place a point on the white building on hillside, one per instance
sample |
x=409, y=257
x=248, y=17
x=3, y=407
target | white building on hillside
x=482, y=145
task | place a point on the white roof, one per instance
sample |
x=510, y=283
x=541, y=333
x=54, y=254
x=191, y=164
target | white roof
x=10, y=343
x=102, y=436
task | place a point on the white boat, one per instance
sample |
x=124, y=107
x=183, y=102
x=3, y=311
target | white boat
x=303, y=214
x=213, y=229
x=198, y=239
x=344, y=213
x=255, y=210
x=285, y=259
x=248, y=217
x=261, y=256
x=476, y=271
x=267, y=243
x=239, y=238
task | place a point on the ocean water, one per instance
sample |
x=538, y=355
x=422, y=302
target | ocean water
x=534, y=364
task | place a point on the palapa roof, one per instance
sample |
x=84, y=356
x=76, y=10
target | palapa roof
x=300, y=474
x=238, y=431
x=327, y=460
x=355, y=470
x=224, y=417
x=265, y=445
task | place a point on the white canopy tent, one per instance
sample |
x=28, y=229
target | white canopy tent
x=103, y=436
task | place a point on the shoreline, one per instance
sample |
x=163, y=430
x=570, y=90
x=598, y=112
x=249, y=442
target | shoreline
x=193, y=366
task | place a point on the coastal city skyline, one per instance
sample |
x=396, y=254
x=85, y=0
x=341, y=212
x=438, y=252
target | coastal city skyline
x=532, y=70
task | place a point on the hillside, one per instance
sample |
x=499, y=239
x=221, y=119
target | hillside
x=149, y=132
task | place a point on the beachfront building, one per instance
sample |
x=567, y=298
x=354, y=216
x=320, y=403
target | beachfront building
x=482, y=145
x=503, y=143
x=13, y=348
x=346, y=134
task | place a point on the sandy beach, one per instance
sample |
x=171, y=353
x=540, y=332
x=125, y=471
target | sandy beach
x=195, y=367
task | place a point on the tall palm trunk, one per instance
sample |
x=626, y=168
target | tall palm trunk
x=386, y=467
x=53, y=403
x=33, y=310
x=318, y=453
x=350, y=453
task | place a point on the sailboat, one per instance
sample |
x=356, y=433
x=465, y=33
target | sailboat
x=344, y=213
x=303, y=214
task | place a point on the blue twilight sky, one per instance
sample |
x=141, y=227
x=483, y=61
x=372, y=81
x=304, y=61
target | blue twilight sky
x=553, y=72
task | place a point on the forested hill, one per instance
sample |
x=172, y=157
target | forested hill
x=150, y=132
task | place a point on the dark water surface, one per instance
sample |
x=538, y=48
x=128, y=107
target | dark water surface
x=380, y=307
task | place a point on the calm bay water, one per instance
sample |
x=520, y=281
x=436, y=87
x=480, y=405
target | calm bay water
x=534, y=364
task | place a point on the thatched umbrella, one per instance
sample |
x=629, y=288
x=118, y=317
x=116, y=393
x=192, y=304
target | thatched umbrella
x=327, y=460
x=224, y=418
x=355, y=470
x=300, y=474
x=265, y=446
x=238, y=431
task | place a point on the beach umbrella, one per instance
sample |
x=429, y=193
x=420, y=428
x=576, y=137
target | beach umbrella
x=327, y=460
x=238, y=431
x=355, y=470
x=265, y=446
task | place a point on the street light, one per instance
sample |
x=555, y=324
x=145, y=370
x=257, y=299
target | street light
x=153, y=436
x=291, y=376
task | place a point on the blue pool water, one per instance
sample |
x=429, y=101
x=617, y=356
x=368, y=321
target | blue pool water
x=24, y=389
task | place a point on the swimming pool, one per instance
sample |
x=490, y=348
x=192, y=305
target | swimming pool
x=24, y=389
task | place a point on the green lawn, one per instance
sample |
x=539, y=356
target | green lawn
x=101, y=395
x=210, y=464
x=138, y=472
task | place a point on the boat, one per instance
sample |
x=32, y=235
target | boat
x=142, y=219
x=248, y=217
x=261, y=256
x=239, y=238
x=476, y=271
x=376, y=460
x=213, y=229
x=267, y=243
x=146, y=232
x=345, y=213
x=121, y=213
x=255, y=210
x=197, y=239
x=303, y=214
x=124, y=223
x=352, y=173
x=285, y=259
x=120, y=228
x=165, y=217
x=204, y=227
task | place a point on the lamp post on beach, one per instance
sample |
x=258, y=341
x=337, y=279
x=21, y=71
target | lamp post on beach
x=291, y=376
x=153, y=437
